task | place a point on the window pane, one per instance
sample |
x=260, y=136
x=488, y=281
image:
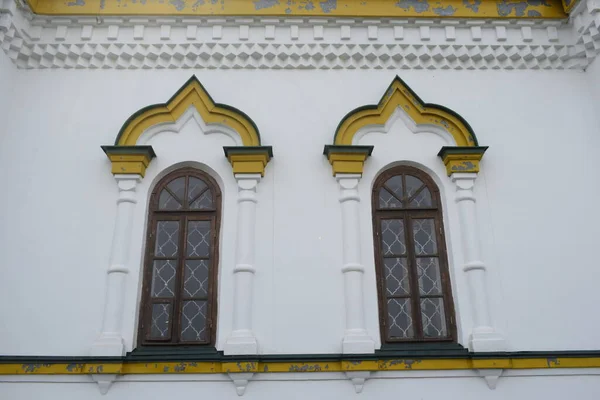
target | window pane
x=396, y=276
x=163, y=278
x=196, y=186
x=394, y=184
x=386, y=200
x=423, y=199
x=167, y=239
x=168, y=202
x=424, y=236
x=193, y=321
x=204, y=202
x=161, y=318
x=434, y=318
x=399, y=319
x=177, y=186
x=412, y=185
x=195, y=283
x=198, y=239
x=430, y=282
x=392, y=237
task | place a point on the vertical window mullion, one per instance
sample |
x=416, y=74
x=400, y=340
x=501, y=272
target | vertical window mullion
x=414, y=279
x=180, y=280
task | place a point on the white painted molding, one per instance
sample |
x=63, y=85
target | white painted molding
x=240, y=381
x=358, y=379
x=111, y=342
x=104, y=381
x=34, y=41
x=356, y=338
x=490, y=376
x=484, y=337
x=242, y=339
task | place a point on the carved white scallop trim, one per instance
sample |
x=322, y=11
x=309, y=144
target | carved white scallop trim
x=33, y=41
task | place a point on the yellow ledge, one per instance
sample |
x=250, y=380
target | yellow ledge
x=310, y=8
x=217, y=367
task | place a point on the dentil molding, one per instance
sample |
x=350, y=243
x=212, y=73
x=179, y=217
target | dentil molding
x=34, y=42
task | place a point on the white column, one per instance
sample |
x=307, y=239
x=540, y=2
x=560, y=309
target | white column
x=110, y=342
x=483, y=337
x=356, y=338
x=242, y=340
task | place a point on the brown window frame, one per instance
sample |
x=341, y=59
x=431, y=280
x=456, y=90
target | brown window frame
x=406, y=214
x=184, y=217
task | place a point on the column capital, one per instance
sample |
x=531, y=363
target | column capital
x=127, y=182
x=128, y=160
x=462, y=158
x=247, y=181
x=248, y=159
x=347, y=159
x=348, y=181
x=464, y=180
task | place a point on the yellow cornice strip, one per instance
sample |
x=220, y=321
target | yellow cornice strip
x=192, y=94
x=400, y=95
x=309, y=8
x=217, y=367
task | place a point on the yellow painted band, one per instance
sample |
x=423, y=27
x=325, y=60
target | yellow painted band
x=249, y=163
x=216, y=367
x=308, y=8
x=192, y=95
x=462, y=163
x=398, y=95
x=129, y=163
x=347, y=163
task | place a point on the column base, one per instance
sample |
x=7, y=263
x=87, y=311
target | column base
x=240, y=343
x=358, y=342
x=108, y=346
x=486, y=341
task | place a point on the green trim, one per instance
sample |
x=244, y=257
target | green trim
x=447, y=150
x=330, y=148
x=129, y=150
x=159, y=105
x=416, y=96
x=231, y=150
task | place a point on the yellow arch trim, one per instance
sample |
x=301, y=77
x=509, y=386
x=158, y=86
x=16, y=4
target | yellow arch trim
x=190, y=94
x=399, y=94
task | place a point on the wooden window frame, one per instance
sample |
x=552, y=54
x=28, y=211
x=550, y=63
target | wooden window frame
x=184, y=217
x=406, y=214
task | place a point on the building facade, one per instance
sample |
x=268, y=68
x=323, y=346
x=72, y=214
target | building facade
x=327, y=199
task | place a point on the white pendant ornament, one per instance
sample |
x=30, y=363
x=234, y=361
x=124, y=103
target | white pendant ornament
x=490, y=376
x=104, y=381
x=358, y=379
x=240, y=381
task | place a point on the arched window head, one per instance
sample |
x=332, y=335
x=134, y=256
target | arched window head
x=415, y=301
x=179, y=300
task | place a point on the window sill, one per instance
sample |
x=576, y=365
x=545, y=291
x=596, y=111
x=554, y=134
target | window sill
x=423, y=350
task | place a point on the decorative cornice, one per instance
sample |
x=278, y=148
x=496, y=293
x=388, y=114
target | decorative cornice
x=129, y=159
x=347, y=159
x=461, y=159
x=248, y=159
x=310, y=8
x=34, y=41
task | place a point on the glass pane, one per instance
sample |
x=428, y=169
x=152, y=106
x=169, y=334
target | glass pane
x=204, y=202
x=434, y=318
x=412, y=185
x=392, y=237
x=167, y=239
x=195, y=283
x=193, y=321
x=399, y=319
x=394, y=184
x=386, y=200
x=396, y=276
x=423, y=199
x=163, y=278
x=424, y=236
x=196, y=186
x=177, y=186
x=198, y=239
x=430, y=282
x=167, y=202
x=161, y=318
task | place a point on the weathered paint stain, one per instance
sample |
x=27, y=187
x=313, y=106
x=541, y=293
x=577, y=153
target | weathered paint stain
x=328, y=6
x=464, y=166
x=418, y=5
x=552, y=362
x=179, y=4
x=533, y=13
x=262, y=4
x=505, y=7
x=74, y=367
x=80, y=3
x=408, y=364
x=444, y=12
x=474, y=6
x=308, y=6
x=305, y=368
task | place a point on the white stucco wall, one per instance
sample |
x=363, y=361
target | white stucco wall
x=536, y=198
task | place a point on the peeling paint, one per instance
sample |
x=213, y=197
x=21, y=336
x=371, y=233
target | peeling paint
x=408, y=364
x=328, y=5
x=419, y=5
x=262, y=4
x=464, y=166
x=74, y=367
x=474, y=6
x=505, y=8
x=305, y=368
x=444, y=12
x=76, y=3
x=102, y=4
x=179, y=4
x=552, y=362
x=309, y=5
x=533, y=13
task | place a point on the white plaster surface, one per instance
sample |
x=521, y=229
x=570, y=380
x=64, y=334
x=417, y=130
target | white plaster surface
x=536, y=208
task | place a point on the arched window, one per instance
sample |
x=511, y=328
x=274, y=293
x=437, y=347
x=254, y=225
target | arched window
x=179, y=300
x=415, y=302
